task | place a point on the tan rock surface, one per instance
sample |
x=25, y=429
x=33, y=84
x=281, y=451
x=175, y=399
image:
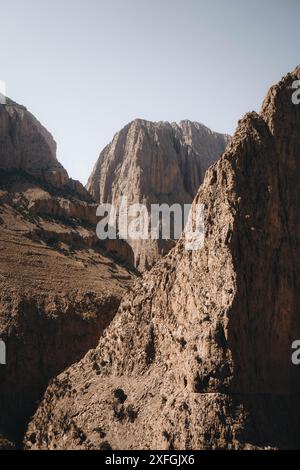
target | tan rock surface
x=58, y=287
x=27, y=146
x=199, y=354
x=155, y=163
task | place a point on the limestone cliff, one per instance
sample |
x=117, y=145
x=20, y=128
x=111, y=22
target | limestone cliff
x=27, y=146
x=155, y=163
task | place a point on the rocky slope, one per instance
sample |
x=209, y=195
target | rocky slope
x=58, y=287
x=25, y=145
x=199, y=354
x=155, y=163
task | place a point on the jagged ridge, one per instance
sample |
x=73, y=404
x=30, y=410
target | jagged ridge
x=199, y=354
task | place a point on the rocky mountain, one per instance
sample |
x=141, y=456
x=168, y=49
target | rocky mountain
x=155, y=163
x=59, y=288
x=199, y=353
x=26, y=146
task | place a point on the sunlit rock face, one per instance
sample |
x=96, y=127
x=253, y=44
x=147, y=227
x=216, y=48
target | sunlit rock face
x=155, y=163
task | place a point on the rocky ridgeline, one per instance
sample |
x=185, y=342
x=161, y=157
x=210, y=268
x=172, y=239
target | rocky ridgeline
x=26, y=146
x=199, y=353
x=155, y=163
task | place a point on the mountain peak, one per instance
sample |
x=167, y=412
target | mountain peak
x=154, y=163
x=27, y=146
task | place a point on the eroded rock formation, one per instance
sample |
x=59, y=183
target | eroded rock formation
x=199, y=353
x=155, y=163
x=27, y=146
x=58, y=287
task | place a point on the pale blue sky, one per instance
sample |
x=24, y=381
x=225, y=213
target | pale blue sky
x=87, y=67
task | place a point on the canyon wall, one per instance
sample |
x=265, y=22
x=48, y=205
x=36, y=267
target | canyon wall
x=199, y=353
x=59, y=288
x=155, y=163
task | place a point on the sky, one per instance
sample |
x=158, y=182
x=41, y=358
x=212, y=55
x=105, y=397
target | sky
x=85, y=68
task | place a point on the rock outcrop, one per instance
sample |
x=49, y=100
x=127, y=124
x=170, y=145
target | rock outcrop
x=25, y=145
x=199, y=353
x=59, y=289
x=155, y=163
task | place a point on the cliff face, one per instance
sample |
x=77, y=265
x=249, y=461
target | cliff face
x=58, y=287
x=199, y=354
x=155, y=163
x=27, y=146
